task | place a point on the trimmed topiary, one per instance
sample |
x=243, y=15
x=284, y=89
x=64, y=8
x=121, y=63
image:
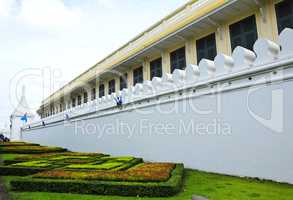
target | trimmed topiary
x=152, y=189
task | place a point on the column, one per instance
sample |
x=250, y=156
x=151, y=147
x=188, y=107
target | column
x=117, y=85
x=266, y=21
x=146, y=69
x=166, y=65
x=190, y=51
x=130, y=78
x=223, y=40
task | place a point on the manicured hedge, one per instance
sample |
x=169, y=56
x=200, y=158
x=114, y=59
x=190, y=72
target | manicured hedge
x=152, y=189
x=145, y=172
x=130, y=164
x=8, y=144
x=58, y=155
x=30, y=149
x=19, y=171
x=27, y=168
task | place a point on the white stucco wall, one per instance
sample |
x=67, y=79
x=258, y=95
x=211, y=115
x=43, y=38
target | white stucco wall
x=249, y=149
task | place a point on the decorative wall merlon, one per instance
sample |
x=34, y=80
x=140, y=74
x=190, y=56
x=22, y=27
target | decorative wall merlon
x=286, y=42
x=243, y=58
x=266, y=51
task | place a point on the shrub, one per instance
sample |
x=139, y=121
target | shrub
x=61, y=157
x=129, y=164
x=30, y=149
x=54, y=156
x=152, y=189
x=8, y=144
x=19, y=171
x=96, y=166
x=147, y=172
x=40, y=164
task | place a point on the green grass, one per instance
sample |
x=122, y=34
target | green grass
x=213, y=186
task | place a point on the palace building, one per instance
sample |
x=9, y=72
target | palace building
x=201, y=29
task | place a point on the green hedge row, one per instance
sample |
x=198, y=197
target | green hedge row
x=11, y=162
x=130, y=164
x=19, y=171
x=151, y=189
x=17, y=144
x=31, y=151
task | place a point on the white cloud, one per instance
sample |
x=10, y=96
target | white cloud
x=49, y=14
x=70, y=35
x=106, y=3
x=5, y=7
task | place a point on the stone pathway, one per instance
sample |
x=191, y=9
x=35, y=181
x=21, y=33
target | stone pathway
x=198, y=198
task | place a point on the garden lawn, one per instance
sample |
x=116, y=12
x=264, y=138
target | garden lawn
x=213, y=186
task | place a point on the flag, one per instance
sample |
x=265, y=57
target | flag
x=24, y=118
x=118, y=100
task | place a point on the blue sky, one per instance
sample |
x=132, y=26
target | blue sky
x=46, y=43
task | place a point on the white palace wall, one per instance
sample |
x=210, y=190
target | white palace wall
x=232, y=116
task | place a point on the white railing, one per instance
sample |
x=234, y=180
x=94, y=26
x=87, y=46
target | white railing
x=267, y=55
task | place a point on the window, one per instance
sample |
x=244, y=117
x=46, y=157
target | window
x=101, y=91
x=51, y=110
x=85, y=97
x=61, y=105
x=284, y=11
x=79, y=100
x=178, y=60
x=244, y=33
x=111, y=86
x=137, y=75
x=206, y=48
x=123, y=81
x=156, y=68
x=73, y=102
x=93, y=96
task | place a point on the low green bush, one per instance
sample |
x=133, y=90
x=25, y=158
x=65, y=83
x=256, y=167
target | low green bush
x=30, y=149
x=145, y=172
x=152, y=189
x=19, y=171
x=9, y=144
x=130, y=164
x=40, y=163
x=96, y=166
x=68, y=157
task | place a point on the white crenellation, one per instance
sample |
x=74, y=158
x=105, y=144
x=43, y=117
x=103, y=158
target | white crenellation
x=224, y=64
x=138, y=89
x=167, y=82
x=192, y=73
x=179, y=76
x=147, y=87
x=266, y=51
x=286, y=42
x=157, y=82
x=243, y=58
x=207, y=69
